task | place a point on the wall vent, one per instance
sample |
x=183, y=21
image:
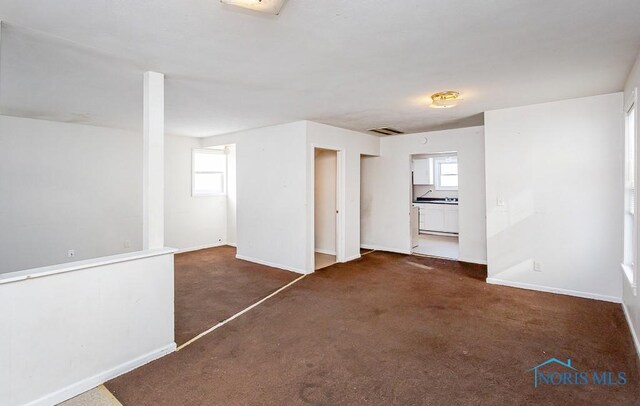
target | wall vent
x=386, y=131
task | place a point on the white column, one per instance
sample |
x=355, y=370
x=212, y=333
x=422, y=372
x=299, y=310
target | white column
x=0, y=42
x=153, y=162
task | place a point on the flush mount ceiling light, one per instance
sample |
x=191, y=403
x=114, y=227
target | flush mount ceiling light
x=265, y=6
x=444, y=100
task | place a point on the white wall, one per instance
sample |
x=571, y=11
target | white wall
x=352, y=145
x=325, y=201
x=232, y=198
x=79, y=187
x=271, y=197
x=67, y=186
x=65, y=333
x=558, y=167
x=275, y=195
x=386, y=188
x=630, y=299
x=190, y=222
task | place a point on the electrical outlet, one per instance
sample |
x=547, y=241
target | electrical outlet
x=127, y=243
x=537, y=266
x=71, y=253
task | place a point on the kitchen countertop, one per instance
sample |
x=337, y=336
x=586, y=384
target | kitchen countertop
x=435, y=200
x=447, y=203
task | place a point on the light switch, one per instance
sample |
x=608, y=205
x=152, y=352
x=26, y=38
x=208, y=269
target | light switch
x=500, y=201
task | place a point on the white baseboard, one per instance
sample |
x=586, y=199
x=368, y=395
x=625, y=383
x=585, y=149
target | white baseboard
x=634, y=335
x=381, y=248
x=420, y=254
x=272, y=264
x=473, y=261
x=326, y=252
x=91, y=382
x=541, y=288
x=232, y=244
x=201, y=247
x=352, y=258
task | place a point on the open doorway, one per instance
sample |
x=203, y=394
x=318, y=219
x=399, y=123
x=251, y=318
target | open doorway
x=325, y=207
x=434, y=214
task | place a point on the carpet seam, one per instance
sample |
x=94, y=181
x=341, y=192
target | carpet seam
x=240, y=313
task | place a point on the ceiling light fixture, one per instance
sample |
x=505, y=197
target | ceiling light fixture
x=444, y=100
x=265, y=6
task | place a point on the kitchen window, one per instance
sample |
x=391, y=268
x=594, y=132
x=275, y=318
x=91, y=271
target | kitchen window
x=630, y=229
x=209, y=172
x=446, y=169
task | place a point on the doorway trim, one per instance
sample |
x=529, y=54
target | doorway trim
x=411, y=157
x=340, y=204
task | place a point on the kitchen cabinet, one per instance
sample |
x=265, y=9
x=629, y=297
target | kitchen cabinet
x=421, y=221
x=434, y=217
x=450, y=219
x=423, y=171
x=442, y=218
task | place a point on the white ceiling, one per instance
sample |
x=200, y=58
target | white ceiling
x=355, y=64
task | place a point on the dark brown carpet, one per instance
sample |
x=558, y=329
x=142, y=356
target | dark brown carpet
x=212, y=285
x=394, y=329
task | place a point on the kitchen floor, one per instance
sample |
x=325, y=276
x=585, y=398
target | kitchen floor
x=438, y=246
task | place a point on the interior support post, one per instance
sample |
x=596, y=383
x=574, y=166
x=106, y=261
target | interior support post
x=153, y=162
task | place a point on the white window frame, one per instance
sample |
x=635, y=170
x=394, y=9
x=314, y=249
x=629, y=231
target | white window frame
x=436, y=164
x=630, y=210
x=195, y=151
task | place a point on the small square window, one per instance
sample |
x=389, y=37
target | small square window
x=446, y=171
x=209, y=172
